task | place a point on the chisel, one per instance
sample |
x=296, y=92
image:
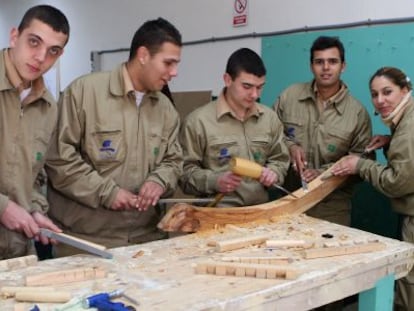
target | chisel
x=284, y=190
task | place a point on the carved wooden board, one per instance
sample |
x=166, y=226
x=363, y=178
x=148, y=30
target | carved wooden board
x=188, y=218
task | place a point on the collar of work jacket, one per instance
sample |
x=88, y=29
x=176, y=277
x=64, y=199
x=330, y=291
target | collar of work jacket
x=12, y=80
x=223, y=108
x=120, y=83
x=408, y=107
x=310, y=92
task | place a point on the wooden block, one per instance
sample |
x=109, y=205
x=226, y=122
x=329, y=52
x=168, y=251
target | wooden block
x=343, y=250
x=228, y=245
x=201, y=269
x=270, y=274
x=221, y=270
x=250, y=270
x=346, y=243
x=331, y=244
x=240, y=271
x=261, y=272
x=19, y=262
x=65, y=276
x=36, y=296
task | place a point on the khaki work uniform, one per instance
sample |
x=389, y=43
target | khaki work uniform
x=25, y=130
x=395, y=180
x=104, y=142
x=343, y=127
x=211, y=135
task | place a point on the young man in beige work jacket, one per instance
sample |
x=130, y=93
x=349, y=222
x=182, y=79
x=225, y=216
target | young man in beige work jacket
x=28, y=115
x=234, y=125
x=323, y=122
x=116, y=151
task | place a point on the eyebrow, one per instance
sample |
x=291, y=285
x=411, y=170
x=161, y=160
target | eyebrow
x=40, y=39
x=251, y=84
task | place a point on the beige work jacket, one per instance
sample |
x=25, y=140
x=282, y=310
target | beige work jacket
x=25, y=131
x=105, y=142
x=211, y=135
x=395, y=179
x=343, y=127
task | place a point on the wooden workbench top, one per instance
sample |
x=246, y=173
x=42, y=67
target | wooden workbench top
x=161, y=274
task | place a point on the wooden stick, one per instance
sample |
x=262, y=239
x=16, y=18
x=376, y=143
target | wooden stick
x=65, y=276
x=228, y=245
x=285, y=243
x=10, y=291
x=247, y=270
x=36, y=296
x=274, y=260
x=343, y=250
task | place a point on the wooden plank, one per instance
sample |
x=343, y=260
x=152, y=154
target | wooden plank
x=228, y=245
x=274, y=260
x=286, y=243
x=65, y=276
x=343, y=250
x=188, y=218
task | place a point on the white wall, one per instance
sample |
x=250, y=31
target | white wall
x=110, y=24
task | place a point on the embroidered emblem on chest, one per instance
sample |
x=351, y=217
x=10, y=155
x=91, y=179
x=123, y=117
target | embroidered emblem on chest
x=107, y=151
x=224, y=156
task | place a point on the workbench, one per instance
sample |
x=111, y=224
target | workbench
x=161, y=274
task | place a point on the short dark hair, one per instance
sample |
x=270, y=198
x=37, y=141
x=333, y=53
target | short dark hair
x=152, y=34
x=48, y=15
x=395, y=75
x=324, y=42
x=246, y=60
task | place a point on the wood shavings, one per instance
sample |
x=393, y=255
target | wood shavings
x=138, y=254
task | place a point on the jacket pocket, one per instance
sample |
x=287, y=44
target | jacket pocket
x=108, y=149
x=337, y=142
x=221, y=150
x=157, y=147
x=260, y=148
x=294, y=129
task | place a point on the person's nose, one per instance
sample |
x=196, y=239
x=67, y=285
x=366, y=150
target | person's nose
x=380, y=99
x=256, y=92
x=41, y=54
x=174, y=71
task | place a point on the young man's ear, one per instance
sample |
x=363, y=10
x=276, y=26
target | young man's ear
x=143, y=55
x=14, y=34
x=227, y=79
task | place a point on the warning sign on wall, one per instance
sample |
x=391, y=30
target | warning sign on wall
x=240, y=13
